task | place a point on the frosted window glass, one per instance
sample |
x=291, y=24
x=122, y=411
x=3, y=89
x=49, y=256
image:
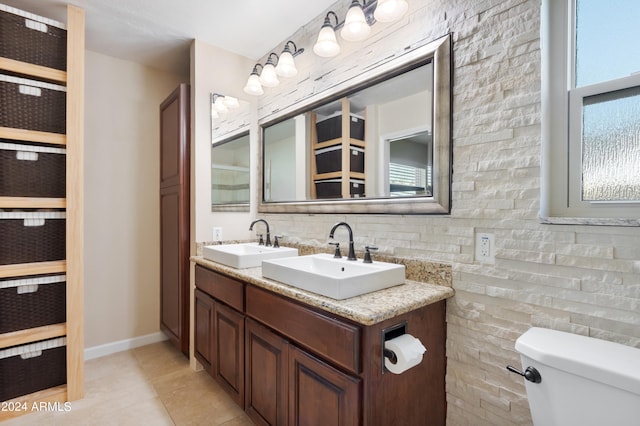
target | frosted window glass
x=607, y=34
x=611, y=146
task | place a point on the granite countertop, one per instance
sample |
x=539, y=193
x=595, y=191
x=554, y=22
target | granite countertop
x=367, y=309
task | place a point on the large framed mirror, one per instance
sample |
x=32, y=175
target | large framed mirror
x=381, y=145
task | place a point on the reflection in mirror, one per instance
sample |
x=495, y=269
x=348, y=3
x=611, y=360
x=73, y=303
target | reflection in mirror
x=410, y=166
x=381, y=147
x=284, y=174
x=230, y=171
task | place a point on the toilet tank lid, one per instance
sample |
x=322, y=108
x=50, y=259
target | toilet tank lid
x=600, y=360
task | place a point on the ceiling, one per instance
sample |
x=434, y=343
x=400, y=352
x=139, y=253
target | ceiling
x=158, y=33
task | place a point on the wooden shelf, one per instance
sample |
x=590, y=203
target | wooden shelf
x=32, y=335
x=33, y=70
x=57, y=394
x=36, y=268
x=73, y=266
x=32, y=136
x=338, y=141
x=32, y=203
x=346, y=142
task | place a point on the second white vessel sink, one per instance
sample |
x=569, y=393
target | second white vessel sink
x=336, y=278
x=245, y=255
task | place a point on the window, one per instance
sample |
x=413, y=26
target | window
x=591, y=110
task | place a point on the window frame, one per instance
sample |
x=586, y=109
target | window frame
x=561, y=125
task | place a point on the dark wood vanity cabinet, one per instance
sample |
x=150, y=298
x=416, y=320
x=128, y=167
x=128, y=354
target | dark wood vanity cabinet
x=228, y=351
x=306, y=366
x=320, y=394
x=219, y=330
x=267, y=372
x=204, y=307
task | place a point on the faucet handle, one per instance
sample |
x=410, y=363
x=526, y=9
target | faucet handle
x=367, y=253
x=276, y=244
x=337, y=254
x=261, y=241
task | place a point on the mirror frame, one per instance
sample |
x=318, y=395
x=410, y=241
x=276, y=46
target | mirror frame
x=440, y=52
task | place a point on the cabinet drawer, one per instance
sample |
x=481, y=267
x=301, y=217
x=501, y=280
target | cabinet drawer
x=32, y=105
x=32, y=171
x=330, y=338
x=221, y=287
x=32, y=367
x=27, y=237
x=34, y=39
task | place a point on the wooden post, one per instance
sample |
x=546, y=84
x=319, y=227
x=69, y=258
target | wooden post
x=75, y=191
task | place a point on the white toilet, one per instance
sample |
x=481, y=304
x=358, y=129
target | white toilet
x=583, y=381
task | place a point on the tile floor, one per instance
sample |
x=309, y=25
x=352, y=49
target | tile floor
x=150, y=385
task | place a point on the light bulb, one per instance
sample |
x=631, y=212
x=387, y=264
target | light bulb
x=268, y=76
x=231, y=102
x=355, y=26
x=286, y=66
x=253, y=86
x=390, y=10
x=219, y=104
x=326, y=45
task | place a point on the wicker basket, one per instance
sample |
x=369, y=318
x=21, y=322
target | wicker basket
x=32, y=105
x=32, y=237
x=33, y=39
x=32, y=302
x=33, y=367
x=32, y=171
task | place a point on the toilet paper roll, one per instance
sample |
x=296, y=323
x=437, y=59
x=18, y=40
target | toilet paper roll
x=408, y=350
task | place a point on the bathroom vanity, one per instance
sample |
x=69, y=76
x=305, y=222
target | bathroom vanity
x=288, y=356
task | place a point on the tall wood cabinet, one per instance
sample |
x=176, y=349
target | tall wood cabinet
x=54, y=347
x=174, y=217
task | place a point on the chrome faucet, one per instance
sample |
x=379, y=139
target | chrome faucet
x=268, y=243
x=352, y=252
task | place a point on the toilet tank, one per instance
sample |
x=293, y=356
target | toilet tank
x=585, y=381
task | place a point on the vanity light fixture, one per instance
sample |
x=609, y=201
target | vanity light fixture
x=268, y=76
x=286, y=65
x=221, y=103
x=283, y=66
x=253, y=86
x=327, y=46
x=357, y=24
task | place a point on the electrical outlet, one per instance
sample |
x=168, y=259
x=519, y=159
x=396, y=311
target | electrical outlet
x=485, y=251
x=217, y=233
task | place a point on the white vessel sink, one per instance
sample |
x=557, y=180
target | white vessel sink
x=336, y=278
x=245, y=255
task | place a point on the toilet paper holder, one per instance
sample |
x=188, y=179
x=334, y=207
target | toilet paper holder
x=389, y=333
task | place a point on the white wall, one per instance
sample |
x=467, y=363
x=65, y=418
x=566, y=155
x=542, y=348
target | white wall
x=583, y=279
x=213, y=70
x=122, y=231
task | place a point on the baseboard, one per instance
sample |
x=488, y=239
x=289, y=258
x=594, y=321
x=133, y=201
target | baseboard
x=123, y=345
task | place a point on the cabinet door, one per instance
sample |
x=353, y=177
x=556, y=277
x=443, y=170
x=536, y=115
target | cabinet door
x=321, y=395
x=172, y=296
x=204, y=314
x=266, y=373
x=174, y=138
x=228, y=350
